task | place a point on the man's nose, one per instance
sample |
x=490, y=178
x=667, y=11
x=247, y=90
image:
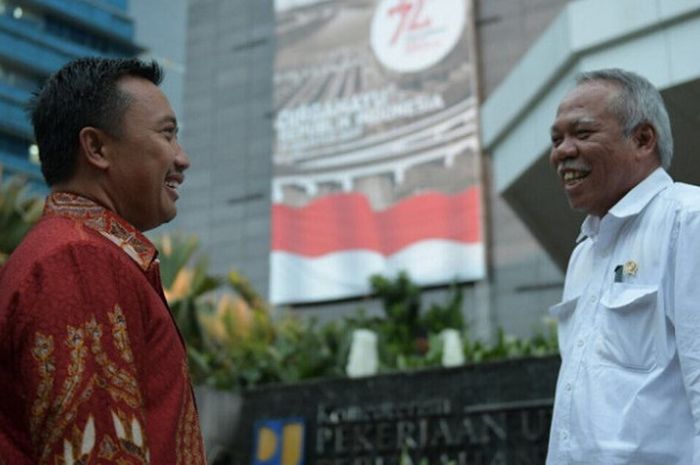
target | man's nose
x=182, y=160
x=565, y=149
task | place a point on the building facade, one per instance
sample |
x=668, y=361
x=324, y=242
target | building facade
x=36, y=38
x=229, y=134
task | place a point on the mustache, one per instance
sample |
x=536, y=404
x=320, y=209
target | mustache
x=572, y=164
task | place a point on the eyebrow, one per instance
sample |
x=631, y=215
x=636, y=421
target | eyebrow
x=584, y=120
x=575, y=123
x=168, y=119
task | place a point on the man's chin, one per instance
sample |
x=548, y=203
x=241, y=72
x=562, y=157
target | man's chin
x=578, y=206
x=165, y=218
x=170, y=216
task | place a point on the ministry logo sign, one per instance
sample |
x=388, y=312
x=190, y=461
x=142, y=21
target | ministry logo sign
x=279, y=441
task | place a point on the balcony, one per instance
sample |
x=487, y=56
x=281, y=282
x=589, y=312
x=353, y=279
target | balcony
x=15, y=120
x=14, y=94
x=11, y=164
x=109, y=22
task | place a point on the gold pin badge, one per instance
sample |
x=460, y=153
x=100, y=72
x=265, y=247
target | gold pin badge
x=630, y=268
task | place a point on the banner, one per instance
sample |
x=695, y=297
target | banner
x=376, y=158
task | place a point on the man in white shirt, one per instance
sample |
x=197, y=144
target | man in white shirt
x=629, y=321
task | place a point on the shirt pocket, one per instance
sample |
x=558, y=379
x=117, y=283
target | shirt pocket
x=628, y=316
x=563, y=313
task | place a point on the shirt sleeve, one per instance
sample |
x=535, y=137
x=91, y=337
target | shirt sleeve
x=79, y=333
x=686, y=313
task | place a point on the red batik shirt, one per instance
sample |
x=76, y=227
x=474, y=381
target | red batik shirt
x=92, y=367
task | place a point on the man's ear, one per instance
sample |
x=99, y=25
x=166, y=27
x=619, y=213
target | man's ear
x=92, y=144
x=645, y=138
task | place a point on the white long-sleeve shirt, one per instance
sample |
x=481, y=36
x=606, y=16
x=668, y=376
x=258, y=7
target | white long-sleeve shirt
x=629, y=333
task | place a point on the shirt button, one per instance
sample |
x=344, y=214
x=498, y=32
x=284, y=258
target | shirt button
x=580, y=343
x=568, y=386
x=592, y=299
x=564, y=436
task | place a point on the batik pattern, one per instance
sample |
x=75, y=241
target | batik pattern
x=54, y=421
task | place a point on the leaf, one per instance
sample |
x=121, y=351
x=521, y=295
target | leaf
x=176, y=251
x=19, y=210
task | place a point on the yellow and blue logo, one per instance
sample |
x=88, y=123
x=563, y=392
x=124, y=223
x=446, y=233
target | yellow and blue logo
x=279, y=441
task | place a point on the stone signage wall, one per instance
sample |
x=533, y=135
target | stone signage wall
x=486, y=414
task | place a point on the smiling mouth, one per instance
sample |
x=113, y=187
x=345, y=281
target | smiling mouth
x=172, y=183
x=574, y=177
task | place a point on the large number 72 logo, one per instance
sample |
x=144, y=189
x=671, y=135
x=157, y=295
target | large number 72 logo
x=409, y=11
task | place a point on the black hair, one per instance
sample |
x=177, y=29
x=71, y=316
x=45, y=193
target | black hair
x=82, y=93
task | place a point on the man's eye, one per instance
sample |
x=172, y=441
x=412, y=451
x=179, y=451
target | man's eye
x=583, y=133
x=556, y=141
x=171, y=132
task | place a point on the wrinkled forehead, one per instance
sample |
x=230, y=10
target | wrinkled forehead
x=594, y=94
x=588, y=102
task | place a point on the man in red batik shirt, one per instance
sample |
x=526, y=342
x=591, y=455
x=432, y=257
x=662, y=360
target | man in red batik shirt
x=92, y=367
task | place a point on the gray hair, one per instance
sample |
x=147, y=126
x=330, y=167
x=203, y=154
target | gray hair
x=638, y=102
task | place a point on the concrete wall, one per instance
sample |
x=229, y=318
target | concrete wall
x=524, y=281
x=228, y=133
x=160, y=26
x=505, y=30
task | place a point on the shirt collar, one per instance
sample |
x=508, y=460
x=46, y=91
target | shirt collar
x=632, y=203
x=105, y=222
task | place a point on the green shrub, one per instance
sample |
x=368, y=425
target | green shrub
x=235, y=341
x=19, y=210
x=243, y=354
